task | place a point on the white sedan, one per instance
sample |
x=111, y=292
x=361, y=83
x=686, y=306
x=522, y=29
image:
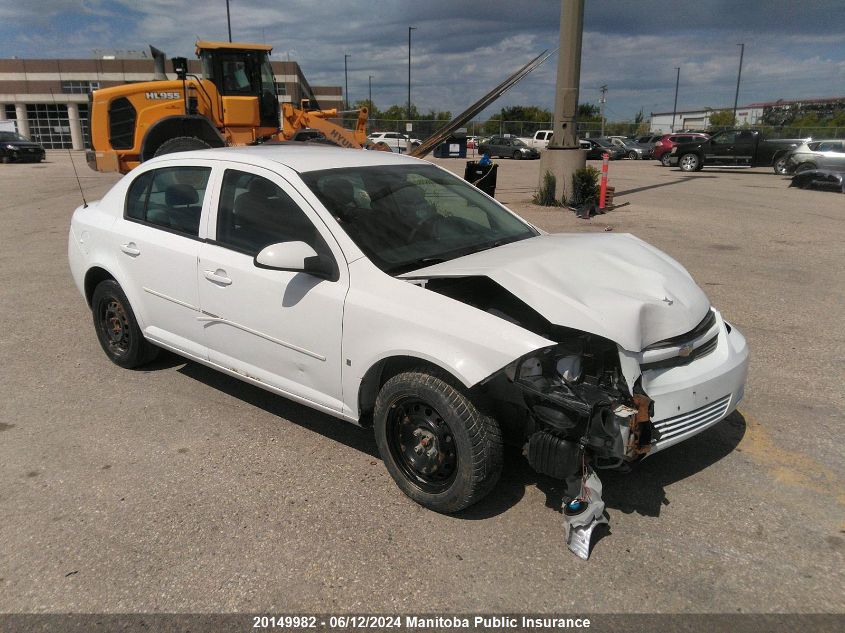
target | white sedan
x=385, y=291
x=396, y=141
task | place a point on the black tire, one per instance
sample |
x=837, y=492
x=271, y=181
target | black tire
x=664, y=159
x=779, y=165
x=445, y=418
x=804, y=167
x=181, y=144
x=633, y=155
x=689, y=162
x=117, y=329
x=517, y=155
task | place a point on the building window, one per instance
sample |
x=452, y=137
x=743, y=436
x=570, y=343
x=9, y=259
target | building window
x=79, y=87
x=49, y=125
x=281, y=89
x=11, y=113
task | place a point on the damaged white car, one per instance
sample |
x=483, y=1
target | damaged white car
x=385, y=291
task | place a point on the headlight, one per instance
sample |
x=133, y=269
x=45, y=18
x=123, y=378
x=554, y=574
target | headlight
x=10, y=147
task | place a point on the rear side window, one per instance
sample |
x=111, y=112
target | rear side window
x=170, y=198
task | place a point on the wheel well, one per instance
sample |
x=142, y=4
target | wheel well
x=93, y=278
x=387, y=368
x=174, y=126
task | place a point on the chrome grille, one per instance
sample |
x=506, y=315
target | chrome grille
x=692, y=421
x=677, y=361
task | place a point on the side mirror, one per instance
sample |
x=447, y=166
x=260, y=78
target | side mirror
x=296, y=257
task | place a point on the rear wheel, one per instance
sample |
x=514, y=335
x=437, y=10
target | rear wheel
x=664, y=160
x=517, y=155
x=780, y=166
x=689, y=162
x=439, y=448
x=633, y=155
x=117, y=329
x=181, y=144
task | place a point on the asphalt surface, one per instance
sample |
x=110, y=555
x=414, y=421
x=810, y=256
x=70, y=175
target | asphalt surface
x=179, y=489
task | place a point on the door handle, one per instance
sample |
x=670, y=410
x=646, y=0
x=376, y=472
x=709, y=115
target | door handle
x=217, y=276
x=130, y=249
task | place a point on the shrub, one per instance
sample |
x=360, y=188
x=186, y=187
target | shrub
x=545, y=196
x=585, y=186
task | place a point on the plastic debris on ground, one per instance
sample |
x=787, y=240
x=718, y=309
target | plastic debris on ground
x=582, y=515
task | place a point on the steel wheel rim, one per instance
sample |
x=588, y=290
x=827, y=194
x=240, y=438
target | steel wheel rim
x=115, y=326
x=780, y=166
x=689, y=161
x=422, y=445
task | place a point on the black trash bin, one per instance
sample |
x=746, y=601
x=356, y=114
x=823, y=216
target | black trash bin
x=482, y=176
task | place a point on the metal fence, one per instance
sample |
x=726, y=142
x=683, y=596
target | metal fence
x=421, y=129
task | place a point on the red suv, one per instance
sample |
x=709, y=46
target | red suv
x=663, y=146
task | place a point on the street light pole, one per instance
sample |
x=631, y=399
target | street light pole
x=228, y=20
x=738, y=76
x=345, y=82
x=410, y=28
x=370, y=85
x=675, y=107
x=602, y=101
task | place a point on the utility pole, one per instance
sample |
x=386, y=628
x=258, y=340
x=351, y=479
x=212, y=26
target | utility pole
x=228, y=20
x=564, y=155
x=410, y=28
x=370, y=85
x=675, y=107
x=738, y=76
x=345, y=82
x=602, y=101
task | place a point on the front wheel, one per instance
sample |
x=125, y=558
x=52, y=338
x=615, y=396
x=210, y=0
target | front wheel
x=689, y=162
x=665, y=159
x=633, y=155
x=517, y=155
x=439, y=448
x=117, y=329
x=780, y=166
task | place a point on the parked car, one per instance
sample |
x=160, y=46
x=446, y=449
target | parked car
x=540, y=140
x=511, y=147
x=663, y=146
x=825, y=154
x=598, y=147
x=638, y=151
x=472, y=141
x=396, y=141
x=17, y=148
x=387, y=292
x=740, y=147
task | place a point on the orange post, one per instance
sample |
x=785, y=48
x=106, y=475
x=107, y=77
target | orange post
x=603, y=192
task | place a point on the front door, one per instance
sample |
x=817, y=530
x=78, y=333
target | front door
x=277, y=327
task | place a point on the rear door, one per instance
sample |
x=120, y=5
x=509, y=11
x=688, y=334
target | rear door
x=278, y=327
x=831, y=155
x=158, y=242
x=720, y=148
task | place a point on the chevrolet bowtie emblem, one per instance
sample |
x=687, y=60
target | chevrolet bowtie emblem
x=667, y=300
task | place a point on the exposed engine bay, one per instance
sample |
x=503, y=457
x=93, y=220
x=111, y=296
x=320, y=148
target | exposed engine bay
x=568, y=405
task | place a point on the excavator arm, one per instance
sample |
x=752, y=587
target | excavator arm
x=294, y=119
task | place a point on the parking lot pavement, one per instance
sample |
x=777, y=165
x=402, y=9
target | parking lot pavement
x=176, y=488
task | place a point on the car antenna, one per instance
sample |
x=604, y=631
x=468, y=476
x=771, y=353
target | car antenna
x=72, y=164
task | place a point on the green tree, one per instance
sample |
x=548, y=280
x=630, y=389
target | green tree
x=588, y=112
x=722, y=118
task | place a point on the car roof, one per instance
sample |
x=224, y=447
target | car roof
x=300, y=157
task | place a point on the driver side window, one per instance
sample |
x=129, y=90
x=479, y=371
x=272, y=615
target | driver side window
x=254, y=212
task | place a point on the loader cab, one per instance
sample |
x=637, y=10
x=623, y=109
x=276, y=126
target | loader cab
x=244, y=78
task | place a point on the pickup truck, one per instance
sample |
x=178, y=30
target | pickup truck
x=734, y=147
x=540, y=140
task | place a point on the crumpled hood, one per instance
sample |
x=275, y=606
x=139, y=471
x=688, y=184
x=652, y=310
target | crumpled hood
x=612, y=285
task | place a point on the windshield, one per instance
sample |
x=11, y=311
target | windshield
x=405, y=217
x=519, y=143
x=12, y=136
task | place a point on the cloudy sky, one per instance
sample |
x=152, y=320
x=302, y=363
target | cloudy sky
x=461, y=49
